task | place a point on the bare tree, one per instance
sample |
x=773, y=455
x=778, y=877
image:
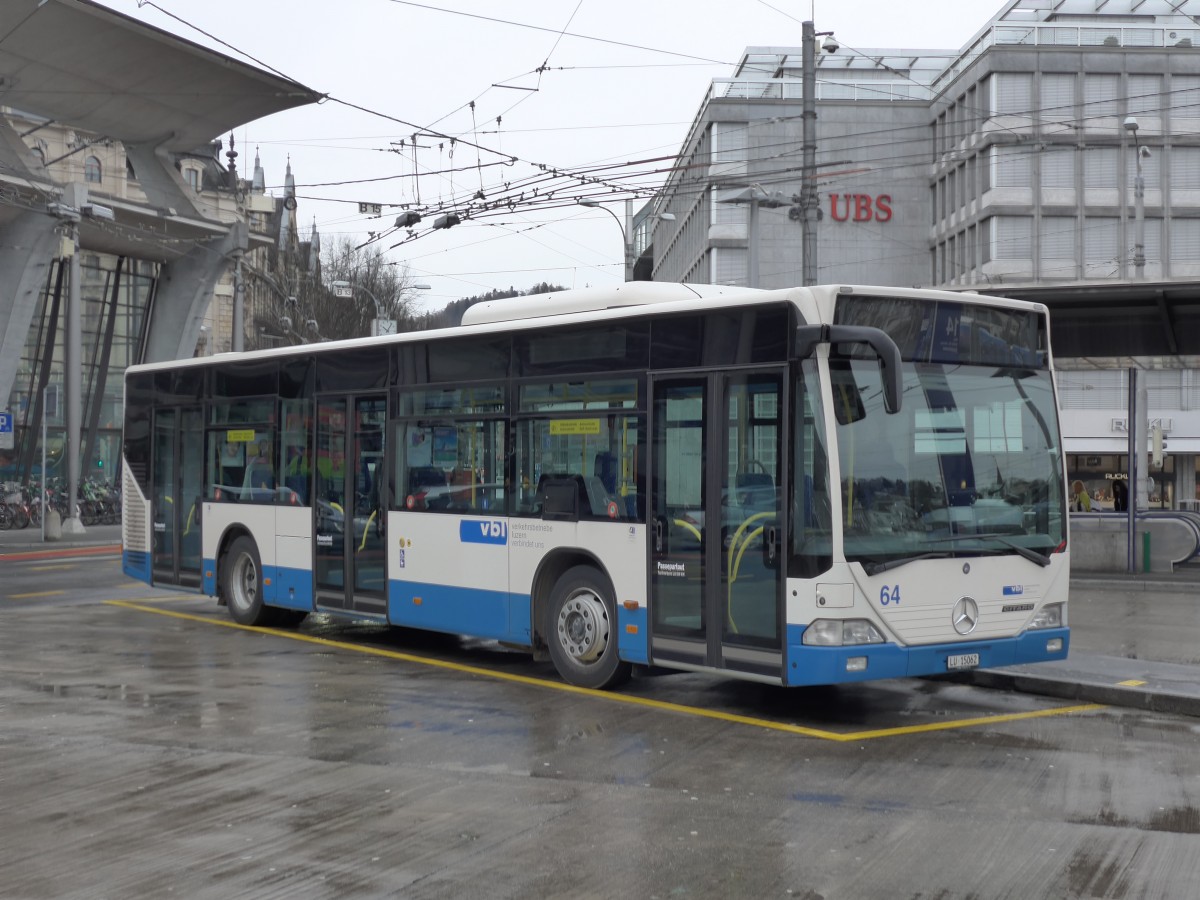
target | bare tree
x=375, y=281
x=292, y=304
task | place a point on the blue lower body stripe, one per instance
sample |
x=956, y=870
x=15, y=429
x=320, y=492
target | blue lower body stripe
x=807, y=665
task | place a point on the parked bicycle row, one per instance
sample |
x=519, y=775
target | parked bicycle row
x=99, y=503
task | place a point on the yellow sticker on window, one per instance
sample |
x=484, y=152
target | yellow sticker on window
x=575, y=426
x=240, y=436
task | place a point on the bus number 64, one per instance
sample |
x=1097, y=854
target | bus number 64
x=888, y=594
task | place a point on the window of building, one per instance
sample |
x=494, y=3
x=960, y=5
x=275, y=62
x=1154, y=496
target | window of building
x=1185, y=168
x=1013, y=93
x=1100, y=96
x=1057, y=246
x=729, y=149
x=1058, y=98
x=1058, y=167
x=1100, y=167
x=1185, y=239
x=1185, y=96
x=1012, y=237
x=193, y=177
x=92, y=173
x=1011, y=167
x=1101, y=243
x=1145, y=95
x=731, y=265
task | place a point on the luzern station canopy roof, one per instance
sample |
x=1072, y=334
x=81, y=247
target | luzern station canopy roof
x=82, y=64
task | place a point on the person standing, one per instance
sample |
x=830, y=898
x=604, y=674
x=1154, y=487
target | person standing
x=1081, y=502
x=1120, y=491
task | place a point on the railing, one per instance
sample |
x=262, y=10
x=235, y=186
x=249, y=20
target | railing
x=1069, y=36
x=791, y=89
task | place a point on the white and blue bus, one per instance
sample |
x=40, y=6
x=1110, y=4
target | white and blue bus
x=804, y=486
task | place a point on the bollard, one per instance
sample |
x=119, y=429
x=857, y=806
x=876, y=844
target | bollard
x=1145, y=551
x=52, y=522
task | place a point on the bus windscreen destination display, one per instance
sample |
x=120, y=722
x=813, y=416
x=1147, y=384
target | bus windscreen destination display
x=950, y=331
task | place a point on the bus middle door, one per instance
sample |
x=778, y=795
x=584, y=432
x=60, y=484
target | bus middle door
x=717, y=522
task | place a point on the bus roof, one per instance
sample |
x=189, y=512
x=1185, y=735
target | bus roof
x=558, y=303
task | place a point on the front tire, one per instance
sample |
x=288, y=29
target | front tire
x=583, y=630
x=241, y=583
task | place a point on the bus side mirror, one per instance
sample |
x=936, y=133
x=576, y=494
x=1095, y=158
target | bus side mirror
x=847, y=398
x=883, y=347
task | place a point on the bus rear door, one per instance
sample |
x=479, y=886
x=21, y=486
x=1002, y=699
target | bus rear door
x=348, y=502
x=177, y=469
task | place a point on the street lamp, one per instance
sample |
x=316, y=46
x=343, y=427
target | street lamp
x=626, y=247
x=755, y=195
x=381, y=324
x=625, y=241
x=1139, y=202
x=808, y=165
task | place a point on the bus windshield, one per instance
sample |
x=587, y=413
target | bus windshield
x=971, y=464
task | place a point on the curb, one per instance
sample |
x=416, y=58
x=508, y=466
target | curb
x=75, y=550
x=1087, y=692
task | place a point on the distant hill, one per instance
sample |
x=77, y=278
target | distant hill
x=452, y=314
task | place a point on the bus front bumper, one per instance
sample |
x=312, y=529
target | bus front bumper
x=833, y=665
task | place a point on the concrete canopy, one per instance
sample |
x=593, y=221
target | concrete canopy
x=77, y=62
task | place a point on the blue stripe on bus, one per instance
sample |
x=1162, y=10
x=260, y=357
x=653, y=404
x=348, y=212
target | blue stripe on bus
x=136, y=564
x=633, y=636
x=289, y=588
x=208, y=577
x=480, y=613
x=827, y=665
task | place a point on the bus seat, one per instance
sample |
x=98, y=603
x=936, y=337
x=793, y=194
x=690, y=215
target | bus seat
x=755, y=489
x=605, y=468
x=562, y=496
x=421, y=477
x=597, y=496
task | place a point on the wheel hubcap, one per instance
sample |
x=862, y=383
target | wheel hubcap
x=244, y=583
x=583, y=628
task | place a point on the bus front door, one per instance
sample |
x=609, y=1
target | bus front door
x=349, y=500
x=177, y=467
x=717, y=489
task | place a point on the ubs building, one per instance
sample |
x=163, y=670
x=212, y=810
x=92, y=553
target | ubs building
x=1010, y=165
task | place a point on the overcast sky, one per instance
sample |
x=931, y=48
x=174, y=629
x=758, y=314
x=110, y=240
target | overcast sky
x=621, y=81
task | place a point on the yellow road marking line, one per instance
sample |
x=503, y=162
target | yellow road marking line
x=35, y=594
x=1132, y=682
x=664, y=705
x=73, y=565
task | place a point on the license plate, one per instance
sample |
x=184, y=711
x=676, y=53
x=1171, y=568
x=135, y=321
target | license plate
x=962, y=661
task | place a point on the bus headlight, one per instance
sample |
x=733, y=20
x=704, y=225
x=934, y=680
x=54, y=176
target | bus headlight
x=841, y=633
x=1052, y=615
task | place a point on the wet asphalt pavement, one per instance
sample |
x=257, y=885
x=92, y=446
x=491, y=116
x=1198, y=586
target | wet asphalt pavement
x=148, y=748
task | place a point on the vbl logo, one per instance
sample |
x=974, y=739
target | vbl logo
x=489, y=531
x=860, y=207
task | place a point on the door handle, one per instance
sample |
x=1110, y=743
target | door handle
x=659, y=528
x=771, y=545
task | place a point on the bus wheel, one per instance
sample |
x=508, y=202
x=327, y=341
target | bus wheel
x=583, y=630
x=241, y=583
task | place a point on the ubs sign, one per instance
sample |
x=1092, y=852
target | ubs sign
x=860, y=207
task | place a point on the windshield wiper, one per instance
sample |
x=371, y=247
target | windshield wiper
x=1032, y=555
x=874, y=568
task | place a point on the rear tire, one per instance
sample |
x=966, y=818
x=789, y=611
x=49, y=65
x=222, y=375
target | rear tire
x=241, y=584
x=583, y=630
